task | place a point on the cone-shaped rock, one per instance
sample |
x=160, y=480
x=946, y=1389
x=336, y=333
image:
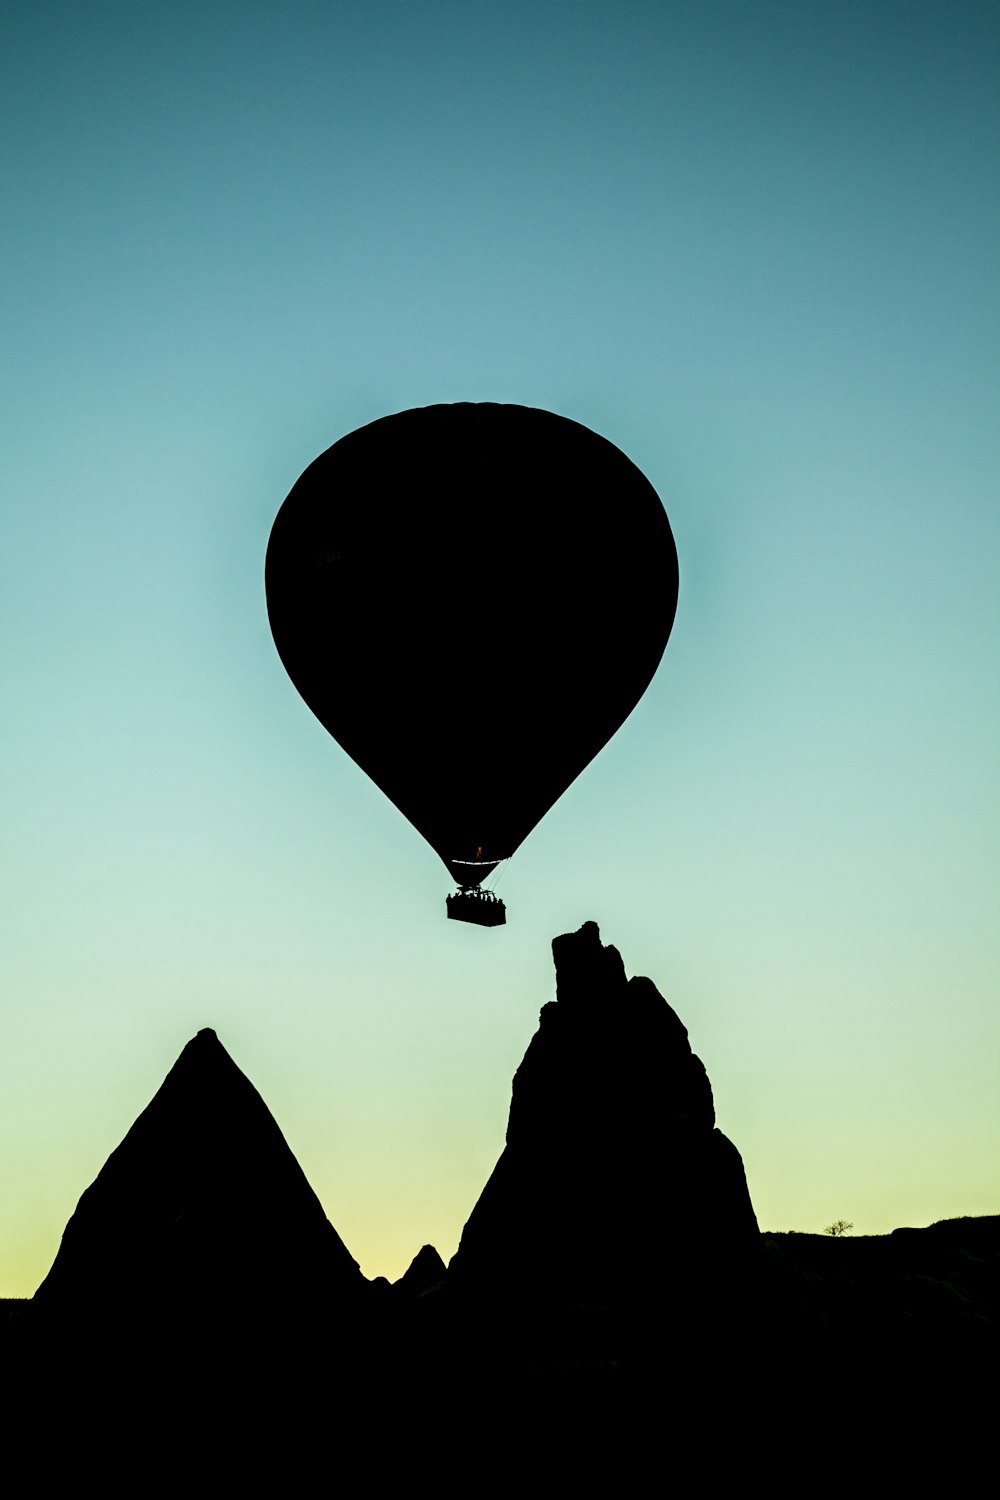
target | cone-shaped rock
x=425, y=1271
x=201, y=1208
x=614, y=1182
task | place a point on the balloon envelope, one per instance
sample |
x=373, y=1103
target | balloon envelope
x=471, y=599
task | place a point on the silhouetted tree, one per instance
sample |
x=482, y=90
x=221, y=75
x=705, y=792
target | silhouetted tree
x=838, y=1227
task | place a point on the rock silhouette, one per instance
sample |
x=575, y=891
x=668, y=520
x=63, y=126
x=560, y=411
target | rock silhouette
x=614, y=1181
x=201, y=1212
x=425, y=1272
x=611, y=1307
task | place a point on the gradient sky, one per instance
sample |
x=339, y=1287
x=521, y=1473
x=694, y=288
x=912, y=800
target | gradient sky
x=755, y=245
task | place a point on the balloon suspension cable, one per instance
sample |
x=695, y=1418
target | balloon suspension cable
x=494, y=880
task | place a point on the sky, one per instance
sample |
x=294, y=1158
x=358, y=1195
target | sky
x=752, y=244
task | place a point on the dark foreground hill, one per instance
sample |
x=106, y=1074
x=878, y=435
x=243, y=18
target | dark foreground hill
x=612, y=1304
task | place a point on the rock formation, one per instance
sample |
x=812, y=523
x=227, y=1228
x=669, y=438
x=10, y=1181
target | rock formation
x=615, y=1187
x=425, y=1272
x=610, y=1312
x=202, y=1210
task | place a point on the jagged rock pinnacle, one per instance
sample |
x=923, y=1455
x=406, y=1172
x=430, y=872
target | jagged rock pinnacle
x=613, y=1162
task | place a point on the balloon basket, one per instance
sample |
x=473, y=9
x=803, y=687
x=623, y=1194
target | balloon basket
x=481, y=907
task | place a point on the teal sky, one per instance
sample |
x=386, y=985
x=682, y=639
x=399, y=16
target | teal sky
x=755, y=245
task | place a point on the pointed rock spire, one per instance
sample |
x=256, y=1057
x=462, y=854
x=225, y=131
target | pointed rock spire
x=425, y=1271
x=202, y=1205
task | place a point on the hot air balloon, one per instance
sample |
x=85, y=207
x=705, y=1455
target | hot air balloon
x=471, y=599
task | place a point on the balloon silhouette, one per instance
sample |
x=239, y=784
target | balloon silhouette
x=471, y=599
